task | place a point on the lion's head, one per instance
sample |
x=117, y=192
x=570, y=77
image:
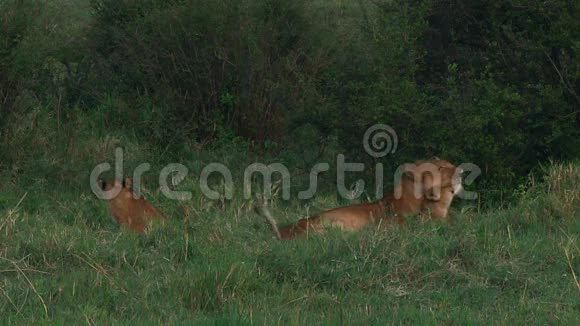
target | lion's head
x=429, y=178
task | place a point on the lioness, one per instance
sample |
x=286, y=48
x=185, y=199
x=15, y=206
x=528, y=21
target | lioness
x=134, y=213
x=424, y=186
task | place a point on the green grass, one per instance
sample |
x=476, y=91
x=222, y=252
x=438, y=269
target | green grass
x=62, y=258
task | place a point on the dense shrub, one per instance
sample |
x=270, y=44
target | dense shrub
x=477, y=82
x=215, y=65
x=508, y=76
x=493, y=84
x=14, y=26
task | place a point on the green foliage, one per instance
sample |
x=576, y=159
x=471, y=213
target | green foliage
x=507, y=75
x=214, y=65
x=14, y=24
x=492, y=84
x=495, y=85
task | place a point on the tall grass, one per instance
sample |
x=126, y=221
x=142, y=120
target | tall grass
x=63, y=259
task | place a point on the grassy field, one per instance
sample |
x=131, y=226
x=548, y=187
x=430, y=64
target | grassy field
x=63, y=259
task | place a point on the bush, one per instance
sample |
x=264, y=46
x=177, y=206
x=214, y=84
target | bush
x=491, y=84
x=215, y=65
x=494, y=85
x=15, y=22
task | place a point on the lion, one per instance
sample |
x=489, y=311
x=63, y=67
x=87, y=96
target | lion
x=134, y=213
x=423, y=187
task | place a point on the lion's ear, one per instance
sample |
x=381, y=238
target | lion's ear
x=127, y=182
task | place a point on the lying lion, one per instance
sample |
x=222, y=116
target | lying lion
x=134, y=213
x=425, y=187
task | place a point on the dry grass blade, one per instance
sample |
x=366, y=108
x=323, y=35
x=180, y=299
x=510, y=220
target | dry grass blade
x=29, y=283
x=569, y=260
x=24, y=270
x=10, y=301
x=11, y=212
x=569, y=256
x=101, y=270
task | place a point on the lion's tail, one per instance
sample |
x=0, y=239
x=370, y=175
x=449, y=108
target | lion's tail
x=265, y=212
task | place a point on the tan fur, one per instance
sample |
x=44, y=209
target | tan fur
x=420, y=190
x=439, y=209
x=134, y=213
